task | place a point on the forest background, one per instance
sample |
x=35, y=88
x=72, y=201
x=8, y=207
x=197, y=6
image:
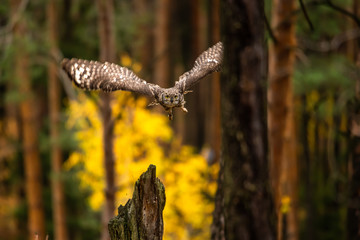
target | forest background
x=68, y=158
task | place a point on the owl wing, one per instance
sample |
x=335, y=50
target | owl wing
x=208, y=62
x=93, y=75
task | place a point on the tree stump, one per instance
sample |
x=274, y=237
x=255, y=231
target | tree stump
x=141, y=218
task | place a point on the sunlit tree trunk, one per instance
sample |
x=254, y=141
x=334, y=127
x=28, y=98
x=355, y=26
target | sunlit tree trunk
x=145, y=37
x=282, y=138
x=107, y=53
x=247, y=211
x=161, y=43
x=29, y=120
x=58, y=201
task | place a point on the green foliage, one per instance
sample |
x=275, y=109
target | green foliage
x=325, y=73
x=328, y=76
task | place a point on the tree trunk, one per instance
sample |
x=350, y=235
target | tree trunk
x=353, y=214
x=194, y=125
x=353, y=218
x=161, y=44
x=144, y=49
x=141, y=217
x=215, y=91
x=28, y=114
x=58, y=201
x=282, y=139
x=107, y=53
x=247, y=207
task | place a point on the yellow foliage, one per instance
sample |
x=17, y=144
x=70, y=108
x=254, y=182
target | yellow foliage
x=125, y=60
x=143, y=137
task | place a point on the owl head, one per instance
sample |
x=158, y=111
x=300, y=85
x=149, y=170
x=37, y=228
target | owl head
x=171, y=98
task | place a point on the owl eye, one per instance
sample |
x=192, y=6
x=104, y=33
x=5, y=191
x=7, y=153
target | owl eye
x=176, y=97
x=167, y=97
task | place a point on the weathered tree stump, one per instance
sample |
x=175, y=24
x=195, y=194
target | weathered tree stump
x=141, y=218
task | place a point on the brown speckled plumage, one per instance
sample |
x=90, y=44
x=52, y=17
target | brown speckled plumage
x=93, y=75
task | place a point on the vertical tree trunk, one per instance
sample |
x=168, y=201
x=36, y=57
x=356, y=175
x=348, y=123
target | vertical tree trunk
x=353, y=217
x=107, y=53
x=145, y=49
x=248, y=210
x=28, y=114
x=215, y=91
x=58, y=200
x=194, y=126
x=161, y=43
x=353, y=214
x=282, y=140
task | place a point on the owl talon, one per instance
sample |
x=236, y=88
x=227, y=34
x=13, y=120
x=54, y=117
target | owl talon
x=170, y=113
x=170, y=116
x=184, y=109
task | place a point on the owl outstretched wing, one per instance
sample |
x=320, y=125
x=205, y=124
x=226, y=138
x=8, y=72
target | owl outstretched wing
x=208, y=62
x=93, y=75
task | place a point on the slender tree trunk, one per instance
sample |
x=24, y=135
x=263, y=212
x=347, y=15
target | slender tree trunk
x=28, y=114
x=58, y=200
x=161, y=43
x=353, y=214
x=247, y=207
x=193, y=118
x=282, y=139
x=145, y=49
x=107, y=53
x=353, y=217
x=215, y=91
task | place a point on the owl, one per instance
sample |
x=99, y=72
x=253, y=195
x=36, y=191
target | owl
x=93, y=75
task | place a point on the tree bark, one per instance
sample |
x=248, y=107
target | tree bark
x=141, y=217
x=215, y=90
x=281, y=126
x=353, y=216
x=353, y=212
x=161, y=44
x=144, y=49
x=107, y=53
x=58, y=201
x=29, y=120
x=243, y=182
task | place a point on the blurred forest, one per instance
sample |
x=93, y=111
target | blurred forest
x=270, y=148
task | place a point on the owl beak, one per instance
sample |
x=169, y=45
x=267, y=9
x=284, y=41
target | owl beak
x=171, y=100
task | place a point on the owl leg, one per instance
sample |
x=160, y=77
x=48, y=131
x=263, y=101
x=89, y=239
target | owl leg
x=182, y=106
x=170, y=114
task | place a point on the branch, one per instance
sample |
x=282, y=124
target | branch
x=306, y=15
x=343, y=11
x=333, y=44
x=268, y=27
x=329, y=4
x=15, y=18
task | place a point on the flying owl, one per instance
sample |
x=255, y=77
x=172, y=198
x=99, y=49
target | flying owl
x=93, y=75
